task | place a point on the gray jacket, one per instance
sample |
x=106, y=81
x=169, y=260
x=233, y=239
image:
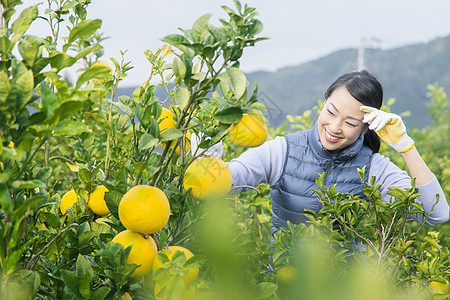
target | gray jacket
x=306, y=157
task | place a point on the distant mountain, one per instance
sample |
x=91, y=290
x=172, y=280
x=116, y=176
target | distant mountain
x=404, y=73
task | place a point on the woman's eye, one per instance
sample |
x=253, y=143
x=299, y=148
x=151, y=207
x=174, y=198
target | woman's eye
x=350, y=124
x=329, y=111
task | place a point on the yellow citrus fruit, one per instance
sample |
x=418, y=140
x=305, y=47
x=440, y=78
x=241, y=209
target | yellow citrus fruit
x=101, y=64
x=166, y=119
x=188, y=294
x=144, y=209
x=190, y=276
x=439, y=290
x=287, y=275
x=68, y=200
x=250, y=131
x=186, y=143
x=97, y=201
x=126, y=296
x=142, y=253
x=208, y=177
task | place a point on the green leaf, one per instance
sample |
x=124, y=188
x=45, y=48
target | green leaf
x=218, y=34
x=70, y=128
x=178, y=67
x=84, y=29
x=256, y=27
x=5, y=198
x=49, y=101
x=147, y=141
x=24, y=88
x=28, y=184
x=84, y=174
x=61, y=60
x=50, y=218
x=174, y=288
x=162, y=257
x=29, y=48
x=194, y=262
x=68, y=108
x=84, y=268
x=229, y=115
x=23, y=22
x=182, y=97
x=162, y=239
x=171, y=134
x=112, y=199
x=100, y=293
x=70, y=280
x=5, y=87
x=44, y=173
x=265, y=289
x=174, y=39
x=200, y=28
x=13, y=259
x=88, y=50
x=96, y=72
x=5, y=46
x=127, y=110
x=238, y=81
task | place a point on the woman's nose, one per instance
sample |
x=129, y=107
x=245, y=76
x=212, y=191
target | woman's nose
x=335, y=126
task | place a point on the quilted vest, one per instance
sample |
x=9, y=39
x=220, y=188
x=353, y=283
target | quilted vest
x=306, y=156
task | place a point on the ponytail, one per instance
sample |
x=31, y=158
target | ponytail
x=372, y=140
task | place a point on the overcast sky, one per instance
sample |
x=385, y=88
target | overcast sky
x=299, y=30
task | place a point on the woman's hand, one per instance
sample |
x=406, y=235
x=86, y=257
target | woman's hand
x=389, y=127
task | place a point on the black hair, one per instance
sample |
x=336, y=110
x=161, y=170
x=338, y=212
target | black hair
x=365, y=88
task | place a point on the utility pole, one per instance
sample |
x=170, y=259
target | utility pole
x=361, y=60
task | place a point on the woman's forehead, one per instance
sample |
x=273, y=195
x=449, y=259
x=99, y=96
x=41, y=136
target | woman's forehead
x=343, y=102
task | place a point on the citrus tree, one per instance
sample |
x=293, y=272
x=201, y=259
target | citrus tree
x=72, y=153
x=102, y=196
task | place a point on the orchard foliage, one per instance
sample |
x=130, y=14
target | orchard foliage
x=58, y=134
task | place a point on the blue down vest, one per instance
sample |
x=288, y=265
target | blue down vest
x=306, y=156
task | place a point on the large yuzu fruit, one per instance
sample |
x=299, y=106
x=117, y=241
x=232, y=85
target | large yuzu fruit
x=250, y=131
x=144, y=209
x=208, y=177
x=97, y=201
x=142, y=253
x=191, y=275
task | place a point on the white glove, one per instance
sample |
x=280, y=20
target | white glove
x=389, y=127
x=215, y=150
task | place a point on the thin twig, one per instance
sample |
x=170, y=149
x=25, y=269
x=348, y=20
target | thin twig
x=32, y=262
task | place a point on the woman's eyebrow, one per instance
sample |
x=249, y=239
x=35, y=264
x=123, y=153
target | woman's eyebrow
x=353, y=118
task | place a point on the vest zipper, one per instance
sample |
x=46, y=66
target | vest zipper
x=328, y=172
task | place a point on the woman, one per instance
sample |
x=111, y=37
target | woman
x=344, y=138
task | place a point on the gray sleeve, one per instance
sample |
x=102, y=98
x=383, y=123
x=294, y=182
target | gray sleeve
x=389, y=175
x=263, y=164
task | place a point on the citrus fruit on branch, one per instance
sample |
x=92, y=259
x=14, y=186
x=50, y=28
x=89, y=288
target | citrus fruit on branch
x=250, y=131
x=68, y=200
x=166, y=121
x=142, y=253
x=190, y=276
x=101, y=64
x=97, y=201
x=144, y=209
x=207, y=177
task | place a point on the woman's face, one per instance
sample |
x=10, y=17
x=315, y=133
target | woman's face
x=340, y=121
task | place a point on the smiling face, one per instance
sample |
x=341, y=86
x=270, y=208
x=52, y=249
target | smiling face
x=340, y=121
